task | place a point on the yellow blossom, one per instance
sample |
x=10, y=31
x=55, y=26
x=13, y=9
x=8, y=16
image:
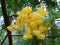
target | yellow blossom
x=27, y=10
x=33, y=25
x=33, y=22
x=26, y=37
x=11, y=27
x=28, y=31
x=39, y=9
x=41, y=37
x=38, y=34
x=18, y=13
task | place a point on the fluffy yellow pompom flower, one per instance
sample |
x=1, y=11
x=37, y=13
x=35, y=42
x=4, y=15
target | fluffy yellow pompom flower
x=33, y=22
x=41, y=37
x=41, y=8
x=26, y=37
x=38, y=34
x=18, y=13
x=27, y=10
x=11, y=27
x=28, y=31
x=41, y=11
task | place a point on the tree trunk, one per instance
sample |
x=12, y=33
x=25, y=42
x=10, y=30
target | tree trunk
x=6, y=20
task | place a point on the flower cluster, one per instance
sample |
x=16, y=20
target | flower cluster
x=32, y=21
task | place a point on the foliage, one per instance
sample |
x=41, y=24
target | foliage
x=17, y=5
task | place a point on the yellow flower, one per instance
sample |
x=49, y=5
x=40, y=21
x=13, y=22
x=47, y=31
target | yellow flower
x=33, y=25
x=41, y=37
x=38, y=34
x=9, y=28
x=31, y=16
x=40, y=22
x=26, y=37
x=43, y=28
x=18, y=20
x=28, y=31
x=33, y=22
x=41, y=11
x=41, y=8
x=18, y=13
x=27, y=10
x=44, y=13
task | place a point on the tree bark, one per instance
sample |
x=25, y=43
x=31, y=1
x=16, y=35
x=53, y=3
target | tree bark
x=6, y=20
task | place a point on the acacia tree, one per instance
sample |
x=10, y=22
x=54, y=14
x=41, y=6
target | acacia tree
x=16, y=5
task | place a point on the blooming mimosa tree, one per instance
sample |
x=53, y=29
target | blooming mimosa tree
x=33, y=22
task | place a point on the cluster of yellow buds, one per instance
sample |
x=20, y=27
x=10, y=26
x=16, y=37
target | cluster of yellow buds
x=32, y=21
